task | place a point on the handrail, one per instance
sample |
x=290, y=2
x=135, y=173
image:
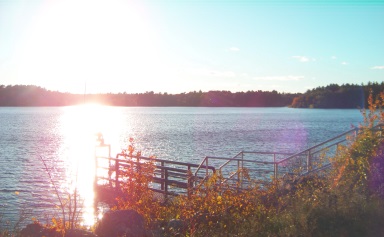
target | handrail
x=156, y=159
x=201, y=165
x=239, y=158
x=310, y=152
x=230, y=177
x=318, y=145
x=303, y=160
x=249, y=152
x=231, y=159
x=251, y=161
x=267, y=152
x=323, y=167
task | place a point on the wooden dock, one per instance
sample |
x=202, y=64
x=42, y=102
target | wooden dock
x=172, y=178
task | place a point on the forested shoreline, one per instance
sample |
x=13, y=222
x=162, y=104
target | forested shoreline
x=347, y=96
x=22, y=95
x=331, y=96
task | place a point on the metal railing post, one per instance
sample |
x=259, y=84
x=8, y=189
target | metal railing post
x=109, y=151
x=242, y=169
x=109, y=156
x=96, y=169
x=275, y=166
x=239, y=173
x=117, y=172
x=276, y=170
x=309, y=161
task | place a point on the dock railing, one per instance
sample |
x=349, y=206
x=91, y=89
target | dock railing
x=173, y=177
x=169, y=177
x=266, y=166
x=316, y=158
x=256, y=165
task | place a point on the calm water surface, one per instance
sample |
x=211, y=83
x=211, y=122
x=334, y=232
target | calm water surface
x=65, y=137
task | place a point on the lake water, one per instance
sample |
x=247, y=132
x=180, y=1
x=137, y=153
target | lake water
x=65, y=137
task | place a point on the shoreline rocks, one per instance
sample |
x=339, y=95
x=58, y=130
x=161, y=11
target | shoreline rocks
x=127, y=223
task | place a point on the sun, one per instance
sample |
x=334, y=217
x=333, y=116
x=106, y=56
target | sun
x=105, y=44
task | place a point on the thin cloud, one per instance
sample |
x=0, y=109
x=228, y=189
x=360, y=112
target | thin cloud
x=222, y=73
x=280, y=78
x=234, y=49
x=344, y=63
x=215, y=73
x=303, y=59
x=378, y=67
x=333, y=57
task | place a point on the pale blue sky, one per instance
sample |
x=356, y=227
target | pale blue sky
x=185, y=45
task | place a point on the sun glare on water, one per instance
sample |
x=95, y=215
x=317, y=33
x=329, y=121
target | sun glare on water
x=80, y=124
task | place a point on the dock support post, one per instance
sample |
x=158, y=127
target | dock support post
x=162, y=176
x=166, y=185
x=190, y=181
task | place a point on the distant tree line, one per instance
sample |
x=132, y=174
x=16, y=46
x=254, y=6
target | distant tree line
x=335, y=96
x=22, y=95
x=331, y=96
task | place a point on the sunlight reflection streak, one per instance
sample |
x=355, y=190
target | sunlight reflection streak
x=80, y=124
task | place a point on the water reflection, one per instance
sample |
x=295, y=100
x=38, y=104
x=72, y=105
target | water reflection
x=80, y=125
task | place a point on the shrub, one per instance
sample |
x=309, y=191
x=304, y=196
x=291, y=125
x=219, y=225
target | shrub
x=135, y=191
x=348, y=201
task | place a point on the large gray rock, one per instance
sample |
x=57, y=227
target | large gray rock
x=127, y=223
x=37, y=230
x=176, y=227
x=79, y=233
